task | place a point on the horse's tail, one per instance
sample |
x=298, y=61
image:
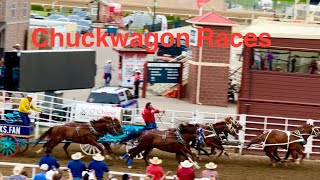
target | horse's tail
x=44, y=135
x=259, y=138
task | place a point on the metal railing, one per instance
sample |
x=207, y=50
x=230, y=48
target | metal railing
x=252, y=124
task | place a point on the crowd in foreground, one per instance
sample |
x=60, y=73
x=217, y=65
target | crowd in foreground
x=77, y=170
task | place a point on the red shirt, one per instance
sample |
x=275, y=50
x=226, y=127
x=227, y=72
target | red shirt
x=155, y=170
x=148, y=115
x=186, y=174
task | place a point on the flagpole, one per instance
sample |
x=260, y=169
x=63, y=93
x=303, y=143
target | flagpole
x=200, y=11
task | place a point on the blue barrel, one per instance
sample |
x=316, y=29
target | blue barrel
x=112, y=30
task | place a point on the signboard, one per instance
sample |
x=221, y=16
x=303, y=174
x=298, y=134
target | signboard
x=131, y=62
x=163, y=72
x=90, y=111
x=194, y=37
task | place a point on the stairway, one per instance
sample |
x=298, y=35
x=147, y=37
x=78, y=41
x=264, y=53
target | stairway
x=160, y=89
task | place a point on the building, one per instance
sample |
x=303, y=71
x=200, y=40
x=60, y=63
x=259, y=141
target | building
x=14, y=23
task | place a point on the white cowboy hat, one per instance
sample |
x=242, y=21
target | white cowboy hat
x=50, y=174
x=155, y=160
x=109, y=61
x=98, y=157
x=186, y=164
x=138, y=71
x=77, y=156
x=211, y=165
x=17, y=169
x=30, y=95
x=44, y=167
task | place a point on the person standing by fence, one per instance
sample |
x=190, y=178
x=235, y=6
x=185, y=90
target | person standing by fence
x=24, y=109
x=148, y=116
x=76, y=166
x=136, y=83
x=108, y=72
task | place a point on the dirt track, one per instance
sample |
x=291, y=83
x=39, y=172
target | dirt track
x=237, y=168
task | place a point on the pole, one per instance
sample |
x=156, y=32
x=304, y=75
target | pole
x=154, y=14
x=145, y=79
x=180, y=81
x=307, y=11
x=98, y=11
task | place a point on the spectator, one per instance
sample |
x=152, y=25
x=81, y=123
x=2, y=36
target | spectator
x=17, y=173
x=269, y=60
x=107, y=72
x=186, y=172
x=126, y=177
x=148, y=116
x=136, y=83
x=257, y=59
x=89, y=175
x=17, y=48
x=98, y=166
x=155, y=169
x=210, y=172
x=48, y=159
x=54, y=174
x=313, y=68
x=42, y=175
x=76, y=166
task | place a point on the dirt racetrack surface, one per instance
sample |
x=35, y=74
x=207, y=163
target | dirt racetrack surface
x=236, y=168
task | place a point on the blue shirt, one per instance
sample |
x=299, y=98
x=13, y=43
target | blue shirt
x=107, y=68
x=76, y=167
x=51, y=161
x=99, y=167
x=40, y=176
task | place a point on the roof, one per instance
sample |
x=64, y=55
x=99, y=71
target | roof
x=211, y=18
x=109, y=90
x=278, y=29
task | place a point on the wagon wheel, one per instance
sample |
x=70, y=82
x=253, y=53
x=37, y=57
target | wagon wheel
x=89, y=149
x=23, y=145
x=132, y=144
x=9, y=145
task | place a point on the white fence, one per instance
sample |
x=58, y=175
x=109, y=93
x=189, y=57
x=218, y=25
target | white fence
x=59, y=110
x=110, y=173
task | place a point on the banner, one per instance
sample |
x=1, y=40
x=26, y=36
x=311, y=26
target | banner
x=90, y=111
x=200, y=3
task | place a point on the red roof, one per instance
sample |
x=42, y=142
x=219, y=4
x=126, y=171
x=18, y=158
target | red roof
x=211, y=18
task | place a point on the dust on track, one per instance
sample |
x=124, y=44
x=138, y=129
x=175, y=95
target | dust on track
x=238, y=167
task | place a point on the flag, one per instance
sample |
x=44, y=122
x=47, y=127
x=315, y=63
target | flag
x=200, y=3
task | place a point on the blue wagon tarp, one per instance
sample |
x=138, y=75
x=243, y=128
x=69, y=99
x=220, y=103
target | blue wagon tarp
x=127, y=129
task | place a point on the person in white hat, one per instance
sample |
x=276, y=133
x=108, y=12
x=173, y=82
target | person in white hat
x=24, y=109
x=76, y=166
x=42, y=175
x=17, y=170
x=155, y=169
x=136, y=82
x=210, y=171
x=108, y=72
x=186, y=171
x=98, y=166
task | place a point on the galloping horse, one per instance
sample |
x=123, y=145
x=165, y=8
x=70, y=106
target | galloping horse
x=292, y=141
x=87, y=133
x=173, y=140
x=212, y=134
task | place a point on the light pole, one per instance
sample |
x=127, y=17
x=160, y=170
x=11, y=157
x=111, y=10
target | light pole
x=155, y=3
x=52, y=6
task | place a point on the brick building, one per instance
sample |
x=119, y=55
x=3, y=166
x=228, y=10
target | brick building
x=14, y=23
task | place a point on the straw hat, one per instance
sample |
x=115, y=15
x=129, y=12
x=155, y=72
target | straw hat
x=211, y=165
x=155, y=160
x=98, y=157
x=77, y=156
x=44, y=167
x=186, y=164
x=17, y=169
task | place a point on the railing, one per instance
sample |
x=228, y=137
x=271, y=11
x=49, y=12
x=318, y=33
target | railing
x=110, y=173
x=252, y=124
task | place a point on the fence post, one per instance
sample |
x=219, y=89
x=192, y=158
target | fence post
x=308, y=146
x=133, y=115
x=241, y=136
x=173, y=119
x=36, y=133
x=33, y=172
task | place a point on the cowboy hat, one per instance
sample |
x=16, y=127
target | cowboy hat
x=109, y=61
x=155, y=160
x=211, y=165
x=29, y=96
x=44, y=167
x=138, y=71
x=50, y=174
x=77, y=156
x=17, y=169
x=98, y=157
x=186, y=164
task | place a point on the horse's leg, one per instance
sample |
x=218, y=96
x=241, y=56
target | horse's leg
x=45, y=145
x=109, y=150
x=145, y=155
x=275, y=153
x=65, y=148
x=186, y=150
x=299, y=150
x=269, y=150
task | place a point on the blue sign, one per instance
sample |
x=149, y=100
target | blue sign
x=16, y=130
x=164, y=72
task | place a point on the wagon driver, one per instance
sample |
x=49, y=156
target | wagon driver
x=24, y=109
x=148, y=116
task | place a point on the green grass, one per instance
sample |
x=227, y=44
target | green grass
x=41, y=13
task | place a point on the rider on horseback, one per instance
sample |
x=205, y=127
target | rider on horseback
x=148, y=116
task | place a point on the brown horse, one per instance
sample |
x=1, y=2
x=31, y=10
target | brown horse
x=87, y=133
x=212, y=134
x=292, y=141
x=173, y=140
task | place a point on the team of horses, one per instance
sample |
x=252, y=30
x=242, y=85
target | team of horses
x=181, y=140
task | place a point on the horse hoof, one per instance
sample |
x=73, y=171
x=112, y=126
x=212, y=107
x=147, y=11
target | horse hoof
x=274, y=165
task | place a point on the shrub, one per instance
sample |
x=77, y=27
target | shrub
x=37, y=7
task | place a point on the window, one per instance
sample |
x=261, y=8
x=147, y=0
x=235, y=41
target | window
x=129, y=94
x=25, y=5
x=13, y=9
x=104, y=98
x=291, y=61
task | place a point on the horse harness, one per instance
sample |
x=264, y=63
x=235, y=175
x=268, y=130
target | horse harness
x=92, y=129
x=178, y=136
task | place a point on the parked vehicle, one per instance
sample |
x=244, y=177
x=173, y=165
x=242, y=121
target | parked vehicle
x=36, y=16
x=63, y=19
x=74, y=18
x=84, y=26
x=54, y=17
x=114, y=96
